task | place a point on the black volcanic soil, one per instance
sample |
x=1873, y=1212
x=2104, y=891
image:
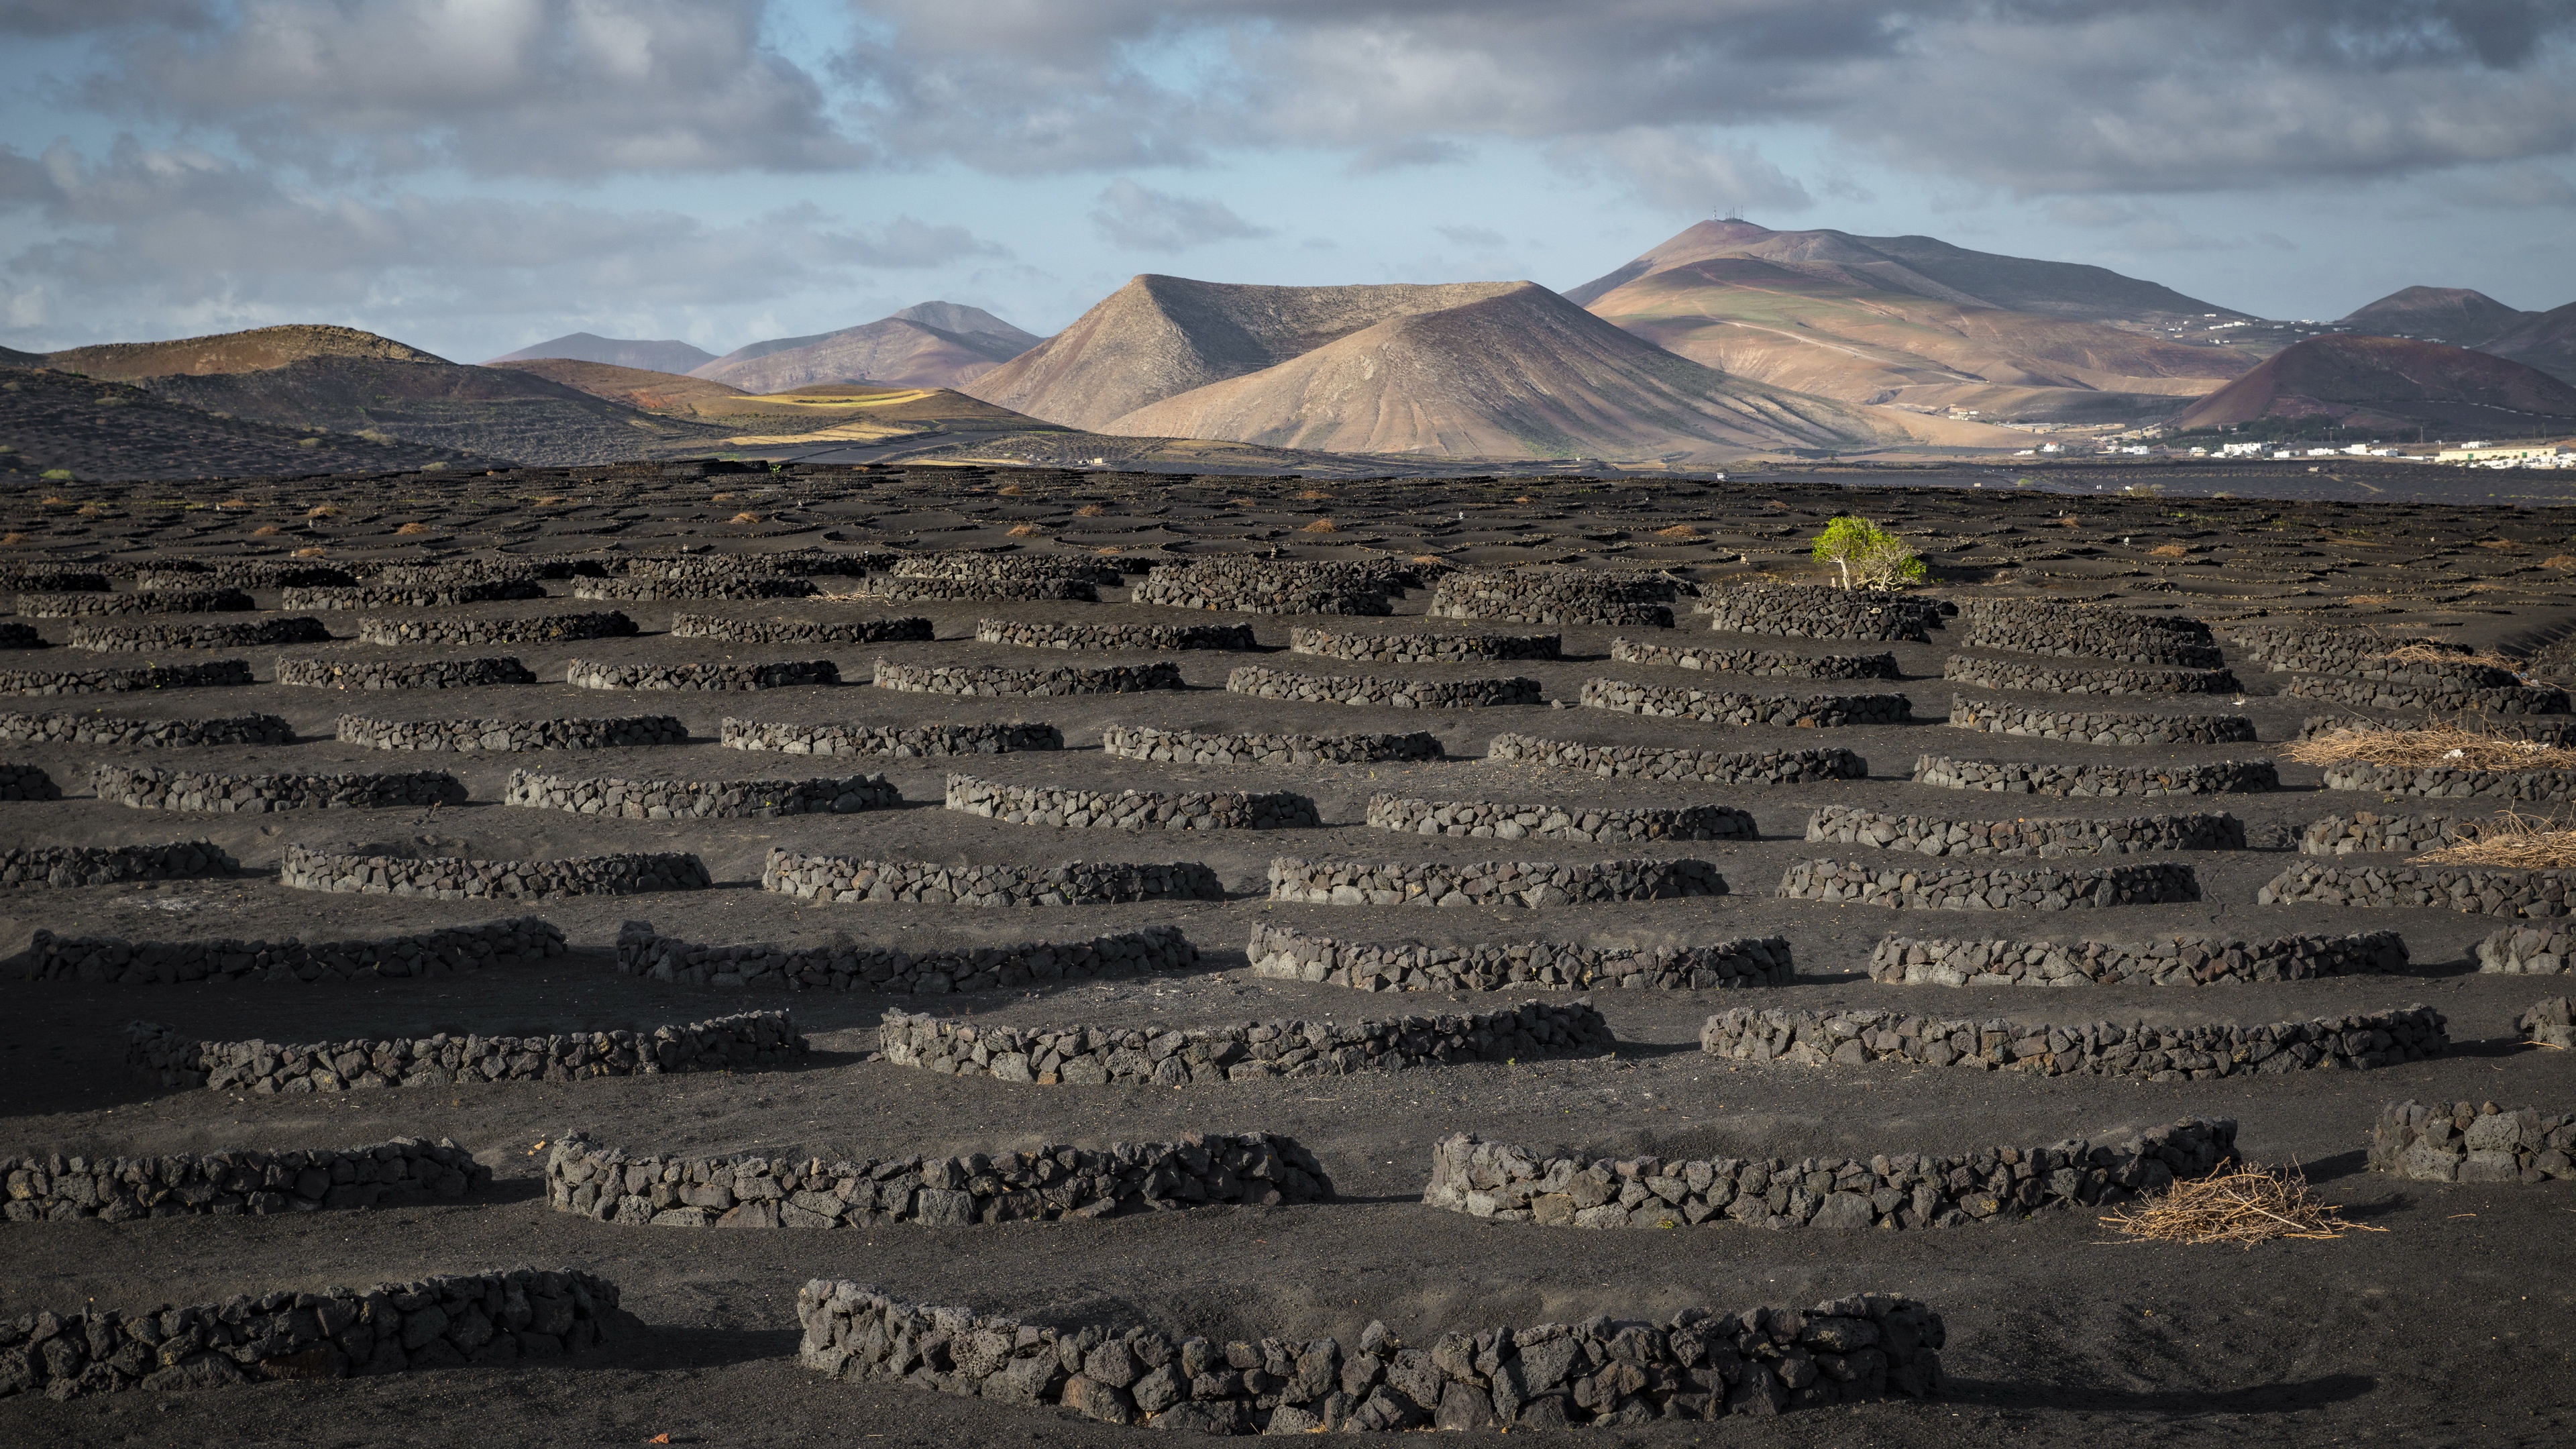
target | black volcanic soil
x=2448, y=1324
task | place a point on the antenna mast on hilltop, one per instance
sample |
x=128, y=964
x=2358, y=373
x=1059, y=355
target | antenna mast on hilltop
x=1732, y=213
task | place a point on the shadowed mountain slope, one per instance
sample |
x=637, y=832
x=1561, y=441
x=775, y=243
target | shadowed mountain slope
x=224, y=352
x=662, y=356
x=635, y=387
x=99, y=429
x=2546, y=341
x=2388, y=383
x=932, y=344
x=2456, y=315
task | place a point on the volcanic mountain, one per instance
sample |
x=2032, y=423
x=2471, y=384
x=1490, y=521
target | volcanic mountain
x=2456, y=315
x=933, y=344
x=227, y=352
x=647, y=389
x=2547, y=341
x=663, y=356
x=2389, y=383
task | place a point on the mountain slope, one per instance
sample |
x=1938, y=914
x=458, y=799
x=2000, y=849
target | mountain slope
x=2546, y=341
x=958, y=317
x=928, y=344
x=2389, y=383
x=663, y=356
x=635, y=387
x=2456, y=315
x=258, y=348
x=113, y=431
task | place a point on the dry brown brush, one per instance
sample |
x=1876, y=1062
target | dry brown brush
x=2245, y=1205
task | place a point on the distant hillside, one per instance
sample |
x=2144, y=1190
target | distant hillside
x=2391, y=383
x=2456, y=315
x=12, y=357
x=2547, y=341
x=958, y=317
x=261, y=347
x=930, y=344
x=663, y=356
x=114, y=431
x=635, y=387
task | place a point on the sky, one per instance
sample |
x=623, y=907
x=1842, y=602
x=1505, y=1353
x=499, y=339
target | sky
x=473, y=176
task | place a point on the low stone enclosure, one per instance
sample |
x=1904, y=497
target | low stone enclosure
x=2433, y=692
x=746, y=1041
x=2097, y=1048
x=522, y=940
x=215, y=674
x=1757, y=663
x=2098, y=727
x=2470, y=1142
x=2162, y=961
x=907, y=590
x=1078, y=808
x=2545, y=731
x=429, y=1323
x=2042, y=838
x=51, y=579
x=1592, y=824
x=1249, y=1051
x=101, y=729
x=405, y=1172
x=92, y=865
x=154, y=789
x=27, y=782
x=1114, y=636
x=2549, y=1023
x=840, y=878
x=2364, y=833
x=412, y=596
x=710, y=676
x=1809, y=611
x=251, y=634
x=1730, y=707
x=1423, y=648
x=1909, y=1190
x=527, y=629
x=1184, y=747
x=1261, y=683
x=970, y=679
x=2046, y=626
x=1567, y=596
x=2529, y=951
x=904, y=742
x=1530, y=883
x=240, y=573
x=703, y=586
x=496, y=736
x=1600, y=1373
x=2219, y=777
x=798, y=631
x=1655, y=762
x=403, y=673
x=148, y=601
x=1201, y=1170
x=1286, y=955
x=1149, y=951
x=1094, y=569
x=2536, y=894
x=699, y=799
x=1985, y=673
x=1246, y=586
x=357, y=870
x=2445, y=783
x=2328, y=651
x=1980, y=888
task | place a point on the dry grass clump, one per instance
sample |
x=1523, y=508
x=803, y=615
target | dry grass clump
x=413, y=529
x=2500, y=545
x=90, y=510
x=1680, y=531
x=322, y=510
x=1322, y=525
x=2246, y=1205
x=1010, y=490
x=234, y=503
x=1312, y=495
x=13, y=538
x=1106, y=548
x=1089, y=510
x=2433, y=743
x=2559, y=561
x=2170, y=550
x=549, y=500
x=1026, y=530
x=1525, y=498
x=1426, y=558
x=55, y=498
x=2436, y=654
x=2068, y=520
x=266, y=530
x=310, y=552
x=2514, y=841
x=745, y=516
x=719, y=498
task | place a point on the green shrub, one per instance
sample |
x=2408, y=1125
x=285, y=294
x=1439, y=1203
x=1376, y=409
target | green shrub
x=1868, y=555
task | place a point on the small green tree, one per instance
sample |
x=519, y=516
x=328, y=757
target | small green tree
x=1868, y=555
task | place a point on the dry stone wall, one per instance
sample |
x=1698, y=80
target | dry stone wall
x=93, y=865
x=721, y=676
x=2523, y=951
x=1653, y=762
x=406, y=1172
x=1261, y=683
x=527, y=629
x=2424, y=691
x=644, y=589
x=969, y=679
x=2443, y=782
x=746, y=1041
x=1078, y=808
x=507, y=735
x=1153, y=950
x=100, y=729
x=240, y=573
x=901, y=589
x=1288, y=955
x=523, y=940
x=27, y=782
x=1184, y=747
x=353, y=870
x=218, y=674
x=2549, y=1023
x=50, y=579
x=409, y=596
x=2098, y=727
x=403, y=673
x=1432, y=648
x=1757, y=663
x=1595, y=824
x=1251, y=587
x=2164, y=961
x=1114, y=636
x=149, y=601
x=1986, y=673
x=1010, y=566
x=2043, y=838
x=799, y=631
x=2542, y=731
x=2471, y=1142
x=842, y=878
x=2326, y=651
x=2219, y=777
x=2363, y=833
x=1980, y=888
x=1702, y=706
x=1530, y=883
x=154, y=789
x=699, y=799
x=1808, y=611
x=899, y=741
x=1555, y=597
x=2533, y=894
x=2045, y=626
x=2097, y=1048
x=133, y=638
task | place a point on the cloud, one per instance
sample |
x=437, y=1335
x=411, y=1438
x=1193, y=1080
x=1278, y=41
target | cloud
x=1397, y=155
x=1137, y=216
x=1471, y=236
x=2512, y=186
x=79, y=17
x=1689, y=172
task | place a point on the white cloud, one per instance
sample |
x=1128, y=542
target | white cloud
x=1134, y=215
x=1687, y=172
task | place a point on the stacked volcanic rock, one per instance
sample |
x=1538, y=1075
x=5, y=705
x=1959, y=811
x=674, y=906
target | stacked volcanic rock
x=1489, y=882
x=2047, y=839
x=2446, y=782
x=410, y=596
x=743, y=1042
x=2549, y=1023
x=1759, y=663
x=1250, y=1051
x=928, y=882
x=1663, y=701
x=446, y=951
x=89, y=865
x=218, y=674
x=1987, y=673
x=50, y=579
x=2536, y=894
x=2553, y=661
x=1262, y=683
x=712, y=675
x=2329, y=651
x=99, y=729
x=1287, y=955
x=900, y=741
x=1260, y=1169
x=149, y=601
x=1600, y=1373
x=726, y=585
x=2098, y=727
x=1423, y=648
x=1658, y=762
x=405, y=1172
x=350, y=869
x=912, y=590
x=2513, y=951
x=1129, y=809
x=149, y=789
x=1009, y=567
x=2533, y=733
x=2447, y=687
x=456, y=572
x=21, y=636
x=690, y=568
x=1812, y=611
x=2098, y=1048
x=431, y=1323
x=2045, y=626
x=403, y=674
x=1968, y=888
x=1907, y=1190
x=27, y=782
x=2364, y=833
x=529, y=629
x=1114, y=636
x=240, y=573
x=2166, y=961
x=974, y=679
x=1552, y=596
x=1183, y=747
x=2219, y=777
x=1600, y=824
x=501, y=735
x=798, y=631
x=699, y=799
x=1153, y=950
x=105, y=638
x=1250, y=586
x=2472, y=1142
